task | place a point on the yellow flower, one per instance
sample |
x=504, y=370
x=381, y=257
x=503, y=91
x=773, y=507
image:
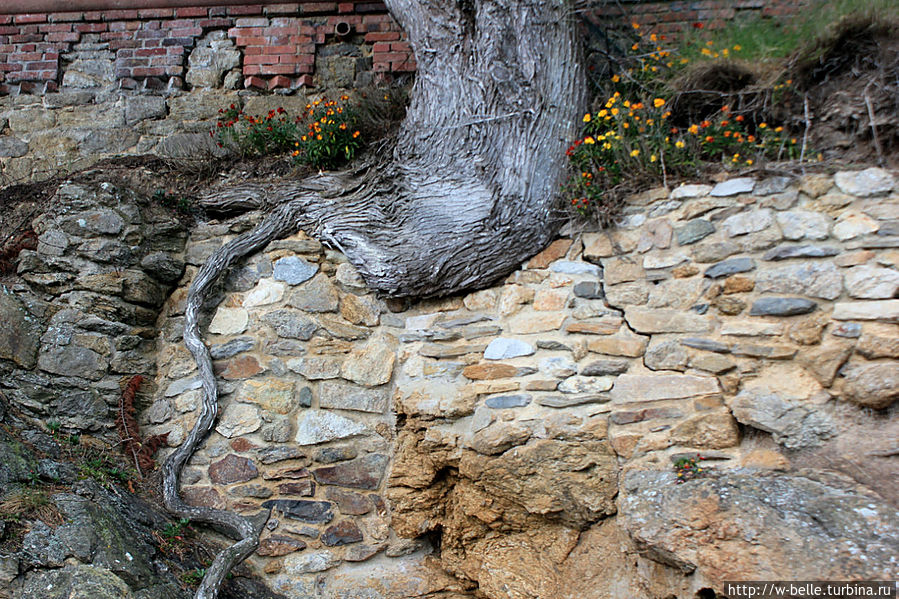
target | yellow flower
x=635, y=25
x=627, y=103
x=737, y=47
x=658, y=102
x=603, y=112
x=706, y=52
x=762, y=125
x=749, y=162
x=653, y=37
x=635, y=153
x=614, y=112
x=694, y=129
x=635, y=47
x=778, y=129
x=587, y=118
x=318, y=137
x=679, y=144
x=653, y=158
x=626, y=125
x=725, y=52
x=303, y=138
x=615, y=78
x=589, y=141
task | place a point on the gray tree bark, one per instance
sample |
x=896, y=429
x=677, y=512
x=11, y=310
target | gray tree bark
x=466, y=194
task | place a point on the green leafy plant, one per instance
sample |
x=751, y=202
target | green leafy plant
x=170, y=199
x=174, y=538
x=330, y=136
x=193, y=577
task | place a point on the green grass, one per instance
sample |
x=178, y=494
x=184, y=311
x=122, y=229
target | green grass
x=766, y=39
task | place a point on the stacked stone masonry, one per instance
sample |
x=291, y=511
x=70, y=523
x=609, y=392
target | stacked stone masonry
x=281, y=46
x=753, y=323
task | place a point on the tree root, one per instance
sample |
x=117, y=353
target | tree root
x=233, y=525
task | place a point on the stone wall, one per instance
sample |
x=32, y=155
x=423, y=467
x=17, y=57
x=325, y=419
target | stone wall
x=522, y=440
x=79, y=87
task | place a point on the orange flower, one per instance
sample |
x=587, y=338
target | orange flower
x=709, y=139
x=739, y=118
x=658, y=102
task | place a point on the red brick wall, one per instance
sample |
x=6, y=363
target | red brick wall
x=278, y=42
x=672, y=16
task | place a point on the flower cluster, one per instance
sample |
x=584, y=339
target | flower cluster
x=329, y=136
x=324, y=136
x=252, y=135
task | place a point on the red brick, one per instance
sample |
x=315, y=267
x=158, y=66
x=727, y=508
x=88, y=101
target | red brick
x=57, y=27
x=254, y=82
x=90, y=27
x=298, y=59
x=276, y=31
x=260, y=59
x=379, y=47
x=318, y=7
x=400, y=47
x=41, y=65
x=118, y=44
x=282, y=9
x=279, y=49
x=382, y=36
x=124, y=26
x=24, y=56
x=251, y=50
x=392, y=57
x=150, y=52
x=279, y=81
x=281, y=69
x=191, y=12
x=115, y=35
x=249, y=9
x=57, y=37
x=119, y=15
x=148, y=72
x=217, y=23
x=60, y=17
x=300, y=39
x=245, y=32
x=9, y=30
x=10, y=67
x=371, y=7
x=174, y=50
x=187, y=32
x=95, y=15
x=252, y=22
x=346, y=7
x=50, y=56
x=304, y=80
x=155, y=13
x=250, y=41
x=32, y=18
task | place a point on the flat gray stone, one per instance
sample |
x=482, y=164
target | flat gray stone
x=867, y=183
x=318, y=426
x=748, y=222
x=503, y=348
x=872, y=282
x=883, y=310
x=733, y=187
x=729, y=267
x=683, y=192
x=20, y=335
x=786, y=252
x=782, y=306
x=567, y=401
x=814, y=279
x=706, y=345
x=230, y=349
x=604, y=367
x=772, y=185
x=656, y=387
x=501, y=402
x=11, y=147
x=803, y=224
x=570, y=267
x=291, y=324
x=693, y=231
x=792, y=424
x=293, y=270
x=343, y=396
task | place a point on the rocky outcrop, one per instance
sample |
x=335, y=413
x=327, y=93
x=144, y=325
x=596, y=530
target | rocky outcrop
x=83, y=314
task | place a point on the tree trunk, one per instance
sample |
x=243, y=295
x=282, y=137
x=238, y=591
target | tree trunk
x=467, y=193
